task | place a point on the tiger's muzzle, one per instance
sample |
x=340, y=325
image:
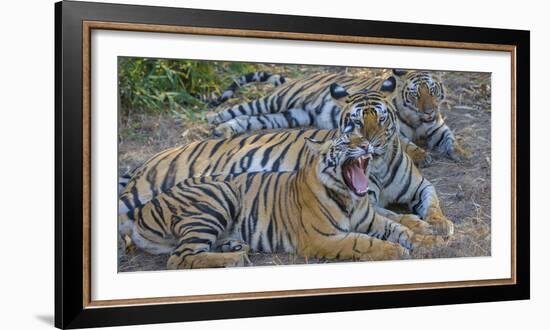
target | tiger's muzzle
x=428, y=116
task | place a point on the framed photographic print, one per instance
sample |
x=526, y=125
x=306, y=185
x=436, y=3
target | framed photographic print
x=218, y=164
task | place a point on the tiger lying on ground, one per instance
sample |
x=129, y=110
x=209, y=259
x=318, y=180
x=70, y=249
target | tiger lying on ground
x=306, y=102
x=319, y=211
x=393, y=178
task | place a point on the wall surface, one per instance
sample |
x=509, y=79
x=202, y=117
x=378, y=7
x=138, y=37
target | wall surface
x=27, y=153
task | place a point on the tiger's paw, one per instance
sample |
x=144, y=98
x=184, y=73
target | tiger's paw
x=385, y=250
x=420, y=157
x=415, y=224
x=223, y=131
x=175, y=262
x=231, y=245
x=426, y=241
x=440, y=224
x=209, y=260
x=458, y=153
x=212, y=118
x=424, y=245
x=129, y=246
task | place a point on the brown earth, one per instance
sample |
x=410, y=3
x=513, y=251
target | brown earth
x=464, y=188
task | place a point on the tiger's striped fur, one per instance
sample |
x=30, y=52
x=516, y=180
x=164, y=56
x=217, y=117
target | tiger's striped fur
x=300, y=103
x=313, y=212
x=393, y=178
x=260, y=76
x=416, y=96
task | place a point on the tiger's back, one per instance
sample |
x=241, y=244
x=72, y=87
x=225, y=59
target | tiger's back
x=214, y=221
x=278, y=151
x=299, y=103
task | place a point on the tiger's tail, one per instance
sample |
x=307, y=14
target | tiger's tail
x=125, y=208
x=258, y=76
x=123, y=182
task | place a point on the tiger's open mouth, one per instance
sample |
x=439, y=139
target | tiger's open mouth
x=356, y=175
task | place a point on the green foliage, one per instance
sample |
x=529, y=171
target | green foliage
x=182, y=87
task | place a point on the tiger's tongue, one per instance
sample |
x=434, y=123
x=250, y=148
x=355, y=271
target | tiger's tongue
x=358, y=178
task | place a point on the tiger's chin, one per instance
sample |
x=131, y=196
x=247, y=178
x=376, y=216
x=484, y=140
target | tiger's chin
x=428, y=118
x=356, y=174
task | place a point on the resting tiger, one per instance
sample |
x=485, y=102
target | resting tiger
x=306, y=102
x=393, y=178
x=417, y=97
x=319, y=211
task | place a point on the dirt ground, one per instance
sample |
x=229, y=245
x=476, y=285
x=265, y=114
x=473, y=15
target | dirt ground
x=464, y=188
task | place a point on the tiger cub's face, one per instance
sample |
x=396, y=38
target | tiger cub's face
x=343, y=164
x=367, y=115
x=418, y=96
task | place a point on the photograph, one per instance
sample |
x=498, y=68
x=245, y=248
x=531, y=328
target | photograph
x=218, y=164
x=241, y=164
x=274, y=165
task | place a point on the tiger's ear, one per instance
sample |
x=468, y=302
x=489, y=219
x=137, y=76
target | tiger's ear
x=317, y=147
x=337, y=91
x=442, y=91
x=339, y=94
x=388, y=85
x=399, y=72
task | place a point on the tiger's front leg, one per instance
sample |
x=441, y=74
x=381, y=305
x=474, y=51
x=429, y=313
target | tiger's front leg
x=355, y=246
x=442, y=139
x=411, y=221
x=426, y=204
x=407, y=230
x=418, y=155
x=415, y=224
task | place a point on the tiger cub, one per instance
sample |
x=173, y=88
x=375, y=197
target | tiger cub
x=368, y=115
x=417, y=98
x=304, y=102
x=319, y=211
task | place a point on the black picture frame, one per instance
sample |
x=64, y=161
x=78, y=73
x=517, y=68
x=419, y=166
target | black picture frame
x=70, y=181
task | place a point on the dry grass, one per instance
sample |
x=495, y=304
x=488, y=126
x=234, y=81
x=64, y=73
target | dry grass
x=464, y=188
